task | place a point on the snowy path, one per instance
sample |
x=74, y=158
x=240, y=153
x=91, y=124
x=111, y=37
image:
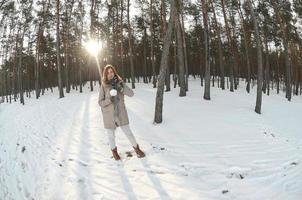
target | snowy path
x=57, y=148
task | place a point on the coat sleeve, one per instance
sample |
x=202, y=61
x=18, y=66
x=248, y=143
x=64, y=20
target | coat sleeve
x=127, y=90
x=103, y=100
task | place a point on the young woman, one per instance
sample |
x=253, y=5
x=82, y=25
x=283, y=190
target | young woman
x=111, y=100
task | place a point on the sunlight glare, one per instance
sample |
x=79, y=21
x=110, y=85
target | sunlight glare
x=93, y=47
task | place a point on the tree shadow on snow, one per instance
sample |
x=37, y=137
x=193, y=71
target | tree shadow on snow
x=155, y=181
x=126, y=183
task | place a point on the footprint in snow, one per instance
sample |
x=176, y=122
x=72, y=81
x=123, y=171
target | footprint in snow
x=224, y=191
x=156, y=172
x=265, y=133
x=294, y=163
x=157, y=148
x=237, y=172
x=236, y=175
x=23, y=149
x=80, y=162
x=129, y=154
x=83, y=164
x=81, y=180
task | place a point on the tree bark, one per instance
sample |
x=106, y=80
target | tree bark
x=220, y=52
x=286, y=53
x=152, y=44
x=130, y=47
x=20, y=69
x=163, y=67
x=246, y=46
x=79, y=53
x=259, y=58
x=231, y=47
x=180, y=55
x=60, y=84
x=184, y=46
x=206, y=95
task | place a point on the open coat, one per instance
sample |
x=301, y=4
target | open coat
x=108, y=107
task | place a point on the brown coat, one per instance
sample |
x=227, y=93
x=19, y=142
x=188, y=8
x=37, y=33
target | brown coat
x=107, y=106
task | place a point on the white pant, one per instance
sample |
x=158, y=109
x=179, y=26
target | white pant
x=126, y=129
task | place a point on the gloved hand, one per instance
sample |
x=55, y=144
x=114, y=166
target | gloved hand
x=120, y=86
x=113, y=82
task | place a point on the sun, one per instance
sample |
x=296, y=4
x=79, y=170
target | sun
x=93, y=47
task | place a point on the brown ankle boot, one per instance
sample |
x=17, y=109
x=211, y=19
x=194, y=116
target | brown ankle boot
x=139, y=152
x=115, y=154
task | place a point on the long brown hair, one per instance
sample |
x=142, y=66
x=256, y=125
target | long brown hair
x=105, y=72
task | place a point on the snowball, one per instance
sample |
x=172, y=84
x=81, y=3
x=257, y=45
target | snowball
x=113, y=92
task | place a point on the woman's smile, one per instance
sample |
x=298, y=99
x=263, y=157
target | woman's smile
x=110, y=74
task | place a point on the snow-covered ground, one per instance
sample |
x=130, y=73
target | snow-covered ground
x=220, y=149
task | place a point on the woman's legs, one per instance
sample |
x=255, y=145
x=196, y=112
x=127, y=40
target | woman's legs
x=126, y=129
x=111, y=138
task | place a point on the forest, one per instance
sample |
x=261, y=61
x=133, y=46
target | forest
x=161, y=43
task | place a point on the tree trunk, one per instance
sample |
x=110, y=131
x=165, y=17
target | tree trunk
x=130, y=47
x=184, y=46
x=231, y=47
x=163, y=67
x=164, y=29
x=145, y=57
x=220, y=52
x=60, y=85
x=38, y=49
x=246, y=47
x=152, y=45
x=286, y=53
x=79, y=53
x=267, y=67
x=175, y=75
x=67, y=46
x=206, y=95
x=180, y=56
x=259, y=58
x=121, y=39
x=20, y=70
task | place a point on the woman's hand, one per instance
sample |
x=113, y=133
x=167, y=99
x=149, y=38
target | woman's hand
x=117, y=83
x=120, y=86
x=119, y=78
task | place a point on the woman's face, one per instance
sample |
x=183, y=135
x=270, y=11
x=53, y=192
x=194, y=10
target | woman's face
x=110, y=74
